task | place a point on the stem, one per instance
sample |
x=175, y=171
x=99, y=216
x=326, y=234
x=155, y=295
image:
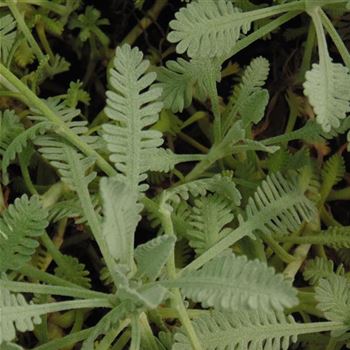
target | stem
x=36, y=274
x=67, y=341
x=62, y=128
x=135, y=333
x=24, y=287
x=339, y=195
x=337, y=40
x=176, y=295
x=26, y=177
x=280, y=252
x=43, y=309
x=25, y=30
x=309, y=47
x=145, y=22
x=40, y=29
x=59, y=9
x=111, y=335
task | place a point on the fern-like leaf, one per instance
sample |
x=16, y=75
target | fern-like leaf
x=208, y=28
x=73, y=271
x=65, y=159
x=7, y=36
x=231, y=283
x=133, y=105
x=14, y=316
x=152, y=256
x=327, y=86
x=278, y=206
x=320, y=268
x=19, y=143
x=10, y=128
x=208, y=221
x=247, y=92
x=333, y=296
x=253, y=330
x=180, y=80
x=333, y=171
x=21, y=223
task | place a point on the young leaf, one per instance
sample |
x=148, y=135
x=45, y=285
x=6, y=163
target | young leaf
x=333, y=171
x=21, y=223
x=152, y=256
x=247, y=94
x=231, y=283
x=121, y=216
x=320, y=268
x=132, y=104
x=333, y=296
x=19, y=143
x=73, y=271
x=327, y=86
x=208, y=28
x=7, y=36
x=10, y=128
x=207, y=223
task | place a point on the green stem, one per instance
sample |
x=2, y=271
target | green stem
x=111, y=335
x=309, y=47
x=26, y=177
x=135, y=333
x=67, y=341
x=343, y=50
x=25, y=30
x=48, y=4
x=280, y=252
x=62, y=128
x=36, y=274
x=145, y=22
x=339, y=195
x=122, y=341
x=24, y=287
x=40, y=29
x=176, y=295
x=43, y=309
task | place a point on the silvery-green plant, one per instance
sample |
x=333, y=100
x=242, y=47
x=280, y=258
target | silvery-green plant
x=230, y=234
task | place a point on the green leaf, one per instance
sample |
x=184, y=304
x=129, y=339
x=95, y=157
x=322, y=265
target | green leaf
x=10, y=128
x=327, y=86
x=19, y=143
x=132, y=103
x=152, y=256
x=278, y=206
x=254, y=108
x=73, y=271
x=15, y=315
x=333, y=296
x=248, y=99
x=21, y=223
x=253, y=330
x=7, y=36
x=121, y=216
x=231, y=283
x=208, y=222
x=333, y=172
x=208, y=28
x=319, y=268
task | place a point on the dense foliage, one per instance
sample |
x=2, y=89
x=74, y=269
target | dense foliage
x=179, y=194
